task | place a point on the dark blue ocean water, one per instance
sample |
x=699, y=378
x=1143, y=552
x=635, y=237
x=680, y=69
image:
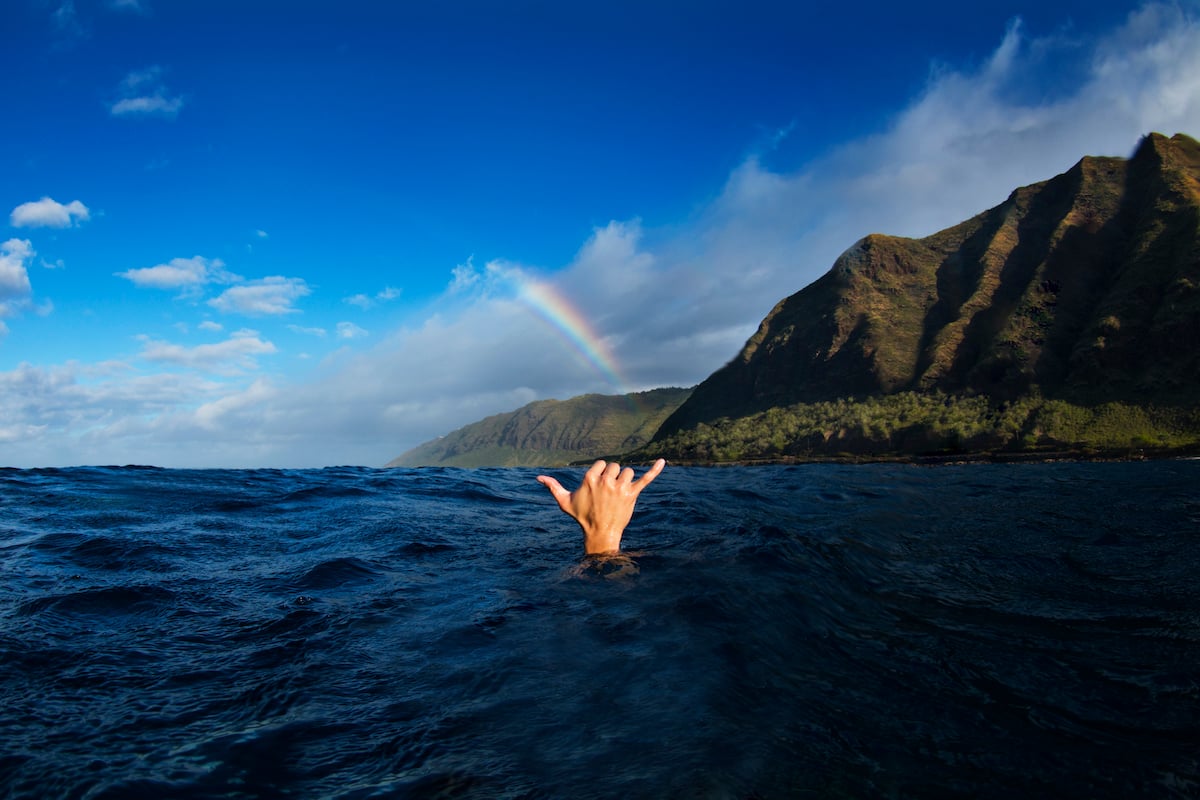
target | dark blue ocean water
x=987, y=631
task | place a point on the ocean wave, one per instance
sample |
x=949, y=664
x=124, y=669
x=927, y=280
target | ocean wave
x=982, y=630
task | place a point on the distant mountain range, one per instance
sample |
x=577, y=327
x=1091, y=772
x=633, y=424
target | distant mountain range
x=552, y=432
x=1066, y=319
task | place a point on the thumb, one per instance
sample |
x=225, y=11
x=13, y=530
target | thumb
x=560, y=494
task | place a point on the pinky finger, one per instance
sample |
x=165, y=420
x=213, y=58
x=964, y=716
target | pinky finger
x=650, y=474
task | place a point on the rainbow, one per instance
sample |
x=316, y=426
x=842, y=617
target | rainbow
x=561, y=315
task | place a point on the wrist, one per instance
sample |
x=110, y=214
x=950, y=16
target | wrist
x=599, y=541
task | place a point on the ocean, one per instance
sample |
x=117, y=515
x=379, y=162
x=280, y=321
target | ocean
x=819, y=631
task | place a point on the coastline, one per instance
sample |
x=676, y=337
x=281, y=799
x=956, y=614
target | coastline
x=941, y=459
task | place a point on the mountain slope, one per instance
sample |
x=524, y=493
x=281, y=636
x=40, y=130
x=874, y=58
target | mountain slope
x=551, y=433
x=1084, y=288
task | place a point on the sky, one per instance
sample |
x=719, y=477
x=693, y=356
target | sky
x=300, y=234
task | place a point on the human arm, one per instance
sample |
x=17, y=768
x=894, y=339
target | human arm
x=604, y=502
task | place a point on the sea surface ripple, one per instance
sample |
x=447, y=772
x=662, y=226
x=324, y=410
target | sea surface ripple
x=986, y=631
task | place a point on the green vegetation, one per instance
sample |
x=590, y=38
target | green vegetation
x=551, y=433
x=932, y=424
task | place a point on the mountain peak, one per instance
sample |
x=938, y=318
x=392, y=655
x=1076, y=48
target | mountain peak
x=1062, y=289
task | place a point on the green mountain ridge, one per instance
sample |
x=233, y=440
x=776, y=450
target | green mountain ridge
x=1067, y=317
x=1065, y=320
x=549, y=433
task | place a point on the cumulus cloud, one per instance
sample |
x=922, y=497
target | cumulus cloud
x=348, y=330
x=143, y=93
x=98, y=413
x=217, y=414
x=670, y=306
x=147, y=105
x=48, y=213
x=209, y=325
x=15, y=288
x=67, y=24
x=973, y=136
x=465, y=275
x=270, y=296
x=14, y=276
x=232, y=356
x=181, y=273
x=319, y=332
x=365, y=301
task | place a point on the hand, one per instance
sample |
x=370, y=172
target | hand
x=603, y=503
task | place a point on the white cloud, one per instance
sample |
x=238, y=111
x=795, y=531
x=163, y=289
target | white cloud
x=15, y=288
x=261, y=234
x=14, y=276
x=181, y=273
x=104, y=414
x=48, y=213
x=320, y=332
x=143, y=93
x=970, y=137
x=217, y=413
x=348, y=330
x=67, y=24
x=148, y=105
x=209, y=325
x=365, y=301
x=267, y=297
x=140, y=80
x=232, y=356
x=465, y=275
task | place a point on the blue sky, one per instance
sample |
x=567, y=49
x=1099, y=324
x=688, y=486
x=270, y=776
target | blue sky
x=294, y=234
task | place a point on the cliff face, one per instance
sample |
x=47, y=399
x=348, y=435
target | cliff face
x=552, y=432
x=1085, y=286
